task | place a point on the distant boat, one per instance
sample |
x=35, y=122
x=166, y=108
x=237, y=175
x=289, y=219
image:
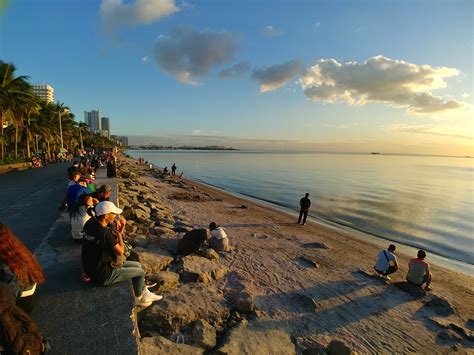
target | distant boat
x=375, y=153
x=467, y=156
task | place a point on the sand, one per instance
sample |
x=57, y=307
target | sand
x=321, y=292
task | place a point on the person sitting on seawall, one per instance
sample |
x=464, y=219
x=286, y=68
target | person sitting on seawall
x=192, y=241
x=80, y=214
x=218, y=240
x=102, y=254
x=419, y=271
x=74, y=191
x=384, y=258
x=102, y=193
x=18, y=266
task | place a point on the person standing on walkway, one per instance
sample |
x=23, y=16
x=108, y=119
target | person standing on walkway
x=173, y=169
x=305, y=203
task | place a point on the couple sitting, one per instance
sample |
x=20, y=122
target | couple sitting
x=102, y=254
x=194, y=240
x=418, y=269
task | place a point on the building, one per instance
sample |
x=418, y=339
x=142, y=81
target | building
x=92, y=119
x=121, y=140
x=103, y=132
x=105, y=123
x=44, y=92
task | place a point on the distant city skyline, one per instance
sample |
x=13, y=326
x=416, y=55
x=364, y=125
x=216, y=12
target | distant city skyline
x=328, y=75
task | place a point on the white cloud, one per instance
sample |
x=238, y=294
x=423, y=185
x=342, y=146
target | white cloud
x=466, y=95
x=430, y=130
x=270, y=31
x=118, y=13
x=317, y=24
x=187, y=54
x=379, y=79
x=145, y=59
x=276, y=76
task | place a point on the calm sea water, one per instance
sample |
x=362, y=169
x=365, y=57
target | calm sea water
x=421, y=201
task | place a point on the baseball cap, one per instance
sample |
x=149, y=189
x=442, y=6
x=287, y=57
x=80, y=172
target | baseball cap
x=106, y=207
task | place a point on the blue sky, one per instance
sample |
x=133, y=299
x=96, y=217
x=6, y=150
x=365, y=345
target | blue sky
x=114, y=55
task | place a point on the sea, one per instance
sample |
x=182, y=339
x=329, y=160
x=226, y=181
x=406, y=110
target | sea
x=423, y=202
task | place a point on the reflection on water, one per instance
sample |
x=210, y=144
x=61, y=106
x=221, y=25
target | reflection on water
x=424, y=202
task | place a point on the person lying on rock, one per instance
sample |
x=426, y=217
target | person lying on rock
x=419, y=271
x=102, y=254
x=386, y=262
x=192, y=241
x=218, y=240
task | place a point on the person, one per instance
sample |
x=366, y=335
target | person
x=219, y=240
x=103, y=249
x=80, y=214
x=76, y=175
x=74, y=191
x=384, y=258
x=305, y=203
x=103, y=193
x=111, y=167
x=192, y=241
x=72, y=169
x=419, y=271
x=173, y=169
x=18, y=266
x=165, y=171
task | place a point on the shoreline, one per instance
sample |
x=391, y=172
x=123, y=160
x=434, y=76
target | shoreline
x=381, y=241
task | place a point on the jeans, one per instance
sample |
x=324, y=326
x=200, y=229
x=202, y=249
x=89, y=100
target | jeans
x=130, y=270
x=305, y=213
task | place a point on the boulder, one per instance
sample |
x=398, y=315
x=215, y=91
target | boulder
x=204, y=334
x=140, y=189
x=440, y=306
x=165, y=279
x=182, y=229
x=244, y=302
x=256, y=339
x=165, y=225
x=166, y=242
x=139, y=214
x=161, y=345
x=197, y=269
x=307, y=303
x=316, y=245
x=138, y=241
x=208, y=253
x=154, y=260
x=182, y=306
x=163, y=230
x=143, y=207
x=337, y=347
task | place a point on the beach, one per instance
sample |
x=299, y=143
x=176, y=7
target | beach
x=309, y=285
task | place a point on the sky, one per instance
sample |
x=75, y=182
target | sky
x=348, y=76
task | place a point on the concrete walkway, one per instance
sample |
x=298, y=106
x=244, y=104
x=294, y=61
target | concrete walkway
x=78, y=318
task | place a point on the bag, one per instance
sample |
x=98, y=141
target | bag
x=19, y=334
x=127, y=249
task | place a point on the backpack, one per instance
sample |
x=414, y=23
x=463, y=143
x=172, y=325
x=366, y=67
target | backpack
x=18, y=333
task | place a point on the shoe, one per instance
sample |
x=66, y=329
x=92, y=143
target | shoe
x=428, y=288
x=385, y=277
x=140, y=303
x=148, y=296
x=304, y=224
x=151, y=285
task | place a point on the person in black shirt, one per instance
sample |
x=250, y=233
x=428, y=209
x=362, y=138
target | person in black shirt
x=305, y=203
x=192, y=241
x=72, y=169
x=102, y=254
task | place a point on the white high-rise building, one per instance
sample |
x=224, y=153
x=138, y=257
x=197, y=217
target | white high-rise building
x=44, y=92
x=92, y=119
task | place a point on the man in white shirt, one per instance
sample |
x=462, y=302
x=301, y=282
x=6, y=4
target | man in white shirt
x=218, y=240
x=386, y=262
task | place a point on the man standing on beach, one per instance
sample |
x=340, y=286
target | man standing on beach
x=305, y=203
x=173, y=169
x=384, y=258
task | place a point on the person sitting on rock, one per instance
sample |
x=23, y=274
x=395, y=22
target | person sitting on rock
x=102, y=251
x=218, y=240
x=384, y=258
x=419, y=271
x=102, y=193
x=192, y=241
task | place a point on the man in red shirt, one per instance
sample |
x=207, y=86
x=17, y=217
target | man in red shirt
x=419, y=271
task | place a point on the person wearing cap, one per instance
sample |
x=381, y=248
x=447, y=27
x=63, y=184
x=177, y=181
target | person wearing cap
x=101, y=250
x=103, y=193
x=75, y=191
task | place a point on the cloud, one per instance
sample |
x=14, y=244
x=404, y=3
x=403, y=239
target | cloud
x=379, y=79
x=236, y=71
x=270, y=31
x=187, y=54
x=428, y=129
x=276, y=76
x=145, y=59
x=317, y=24
x=466, y=95
x=118, y=13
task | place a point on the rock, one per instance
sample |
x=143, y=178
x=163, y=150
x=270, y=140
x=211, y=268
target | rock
x=139, y=241
x=316, y=245
x=307, y=302
x=167, y=242
x=140, y=214
x=256, y=339
x=197, y=269
x=125, y=174
x=182, y=306
x=337, y=347
x=440, y=306
x=244, y=302
x=470, y=323
x=450, y=323
x=154, y=260
x=142, y=207
x=163, y=230
x=449, y=336
x=307, y=262
x=204, y=334
x=209, y=253
x=161, y=345
x=182, y=229
x=166, y=225
x=165, y=279
x=314, y=351
x=140, y=189
x=123, y=203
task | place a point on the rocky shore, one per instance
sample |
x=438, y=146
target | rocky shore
x=283, y=288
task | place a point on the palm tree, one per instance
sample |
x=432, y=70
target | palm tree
x=11, y=90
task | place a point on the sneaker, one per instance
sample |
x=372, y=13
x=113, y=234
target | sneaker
x=139, y=302
x=148, y=296
x=385, y=277
x=148, y=286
